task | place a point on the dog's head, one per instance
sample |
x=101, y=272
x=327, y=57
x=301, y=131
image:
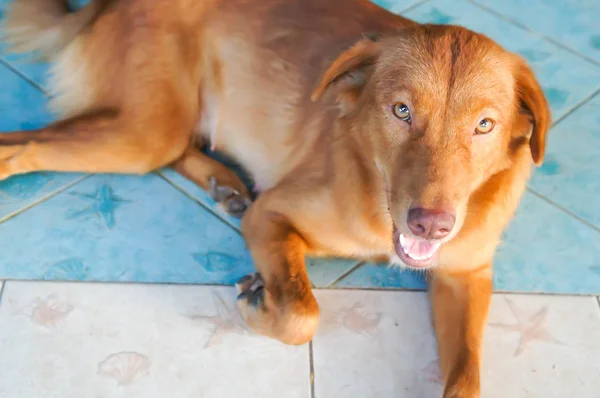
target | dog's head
x=442, y=109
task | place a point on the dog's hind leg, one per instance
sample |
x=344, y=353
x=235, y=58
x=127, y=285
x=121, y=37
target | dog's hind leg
x=131, y=102
x=223, y=185
x=102, y=141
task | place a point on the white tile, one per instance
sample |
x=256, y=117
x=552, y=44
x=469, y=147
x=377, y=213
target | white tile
x=381, y=344
x=542, y=346
x=374, y=344
x=95, y=340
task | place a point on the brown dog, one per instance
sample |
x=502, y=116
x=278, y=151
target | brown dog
x=369, y=136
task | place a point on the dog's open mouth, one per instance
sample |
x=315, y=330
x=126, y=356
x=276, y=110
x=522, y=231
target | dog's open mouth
x=414, y=252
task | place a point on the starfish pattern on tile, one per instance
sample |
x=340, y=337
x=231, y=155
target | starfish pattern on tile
x=104, y=204
x=433, y=373
x=530, y=329
x=225, y=321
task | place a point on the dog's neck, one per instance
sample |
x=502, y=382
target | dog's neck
x=358, y=164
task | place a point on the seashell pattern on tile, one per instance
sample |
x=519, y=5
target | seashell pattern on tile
x=125, y=367
x=354, y=318
x=359, y=320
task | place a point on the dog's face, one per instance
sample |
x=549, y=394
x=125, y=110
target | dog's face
x=442, y=109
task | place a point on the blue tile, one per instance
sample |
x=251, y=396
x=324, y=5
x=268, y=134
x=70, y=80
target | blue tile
x=572, y=23
x=325, y=271
x=199, y=194
x=20, y=192
x=383, y=276
x=566, y=78
x=36, y=72
x=396, y=5
x=23, y=107
x=122, y=228
x=570, y=176
x=545, y=250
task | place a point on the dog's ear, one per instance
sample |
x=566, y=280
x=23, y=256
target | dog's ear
x=534, y=104
x=350, y=67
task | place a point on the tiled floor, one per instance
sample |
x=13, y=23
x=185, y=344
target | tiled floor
x=61, y=339
x=110, y=340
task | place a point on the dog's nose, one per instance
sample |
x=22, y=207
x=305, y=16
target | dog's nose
x=430, y=224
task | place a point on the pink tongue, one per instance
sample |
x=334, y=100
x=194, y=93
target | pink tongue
x=417, y=248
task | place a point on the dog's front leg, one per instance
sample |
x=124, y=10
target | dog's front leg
x=460, y=308
x=278, y=301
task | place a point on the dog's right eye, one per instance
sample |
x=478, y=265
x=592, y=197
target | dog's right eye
x=402, y=112
x=485, y=126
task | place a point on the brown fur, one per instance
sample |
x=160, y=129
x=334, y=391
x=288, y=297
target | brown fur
x=300, y=92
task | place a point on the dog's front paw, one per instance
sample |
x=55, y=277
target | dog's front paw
x=291, y=319
x=233, y=202
x=251, y=289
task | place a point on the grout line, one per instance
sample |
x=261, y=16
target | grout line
x=13, y=68
x=43, y=198
x=411, y=290
x=412, y=7
x=208, y=208
x=2, y=287
x=311, y=362
x=351, y=288
x=527, y=28
x=373, y=288
x=564, y=210
x=576, y=107
x=345, y=274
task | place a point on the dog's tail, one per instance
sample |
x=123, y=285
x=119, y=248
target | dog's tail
x=45, y=27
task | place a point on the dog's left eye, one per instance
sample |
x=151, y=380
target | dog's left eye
x=402, y=112
x=485, y=126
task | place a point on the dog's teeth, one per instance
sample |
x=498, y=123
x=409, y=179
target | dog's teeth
x=407, y=245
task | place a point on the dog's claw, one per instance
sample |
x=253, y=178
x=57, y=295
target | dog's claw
x=233, y=202
x=243, y=281
x=237, y=205
x=251, y=288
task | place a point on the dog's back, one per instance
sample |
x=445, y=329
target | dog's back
x=262, y=60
